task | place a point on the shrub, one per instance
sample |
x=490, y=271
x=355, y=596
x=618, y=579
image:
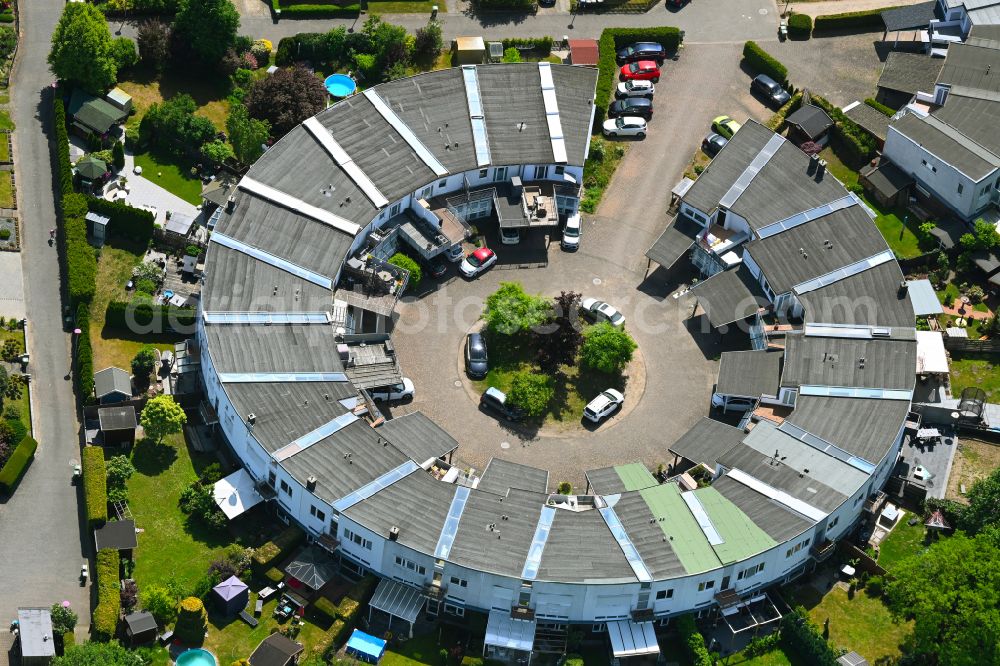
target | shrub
x=273, y=551
x=143, y=364
x=531, y=392
x=408, y=265
x=149, y=317
x=198, y=502
x=694, y=643
x=119, y=471
x=325, y=607
x=606, y=348
x=125, y=221
x=511, y=55
x=869, y=19
x=760, y=61
x=104, y=620
x=192, y=621
x=522, y=5
x=613, y=39
x=542, y=46
x=800, y=636
x=565, y=488
x=159, y=601
x=17, y=464
x=800, y=26
x=274, y=575
x=762, y=645
x=876, y=586
x=852, y=143
x=95, y=488
x=317, y=11
x=879, y=106
x=5, y=234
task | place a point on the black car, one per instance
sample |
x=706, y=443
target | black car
x=437, y=267
x=476, y=360
x=631, y=106
x=713, y=143
x=770, y=90
x=495, y=400
x=642, y=51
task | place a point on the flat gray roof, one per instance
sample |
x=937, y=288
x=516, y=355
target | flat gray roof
x=749, y=373
x=874, y=122
x=910, y=72
x=502, y=475
x=417, y=437
x=648, y=537
x=729, y=296
x=706, y=441
x=860, y=426
x=35, y=631
x=969, y=65
x=869, y=298
x=273, y=348
x=727, y=166
x=675, y=240
x=821, y=361
x=779, y=523
x=936, y=140
x=973, y=117
x=117, y=418
x=581, y=548
x=503, y=548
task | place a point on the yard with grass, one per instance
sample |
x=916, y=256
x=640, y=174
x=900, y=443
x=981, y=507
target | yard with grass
x=978, y=370
x=403, y=6
x=231, y=639
x=862, y=624
x=208, y=93
x=171, y=174
x=904, y=541
x=974, y=460
x=840, y=171
x=600, y=167
x=4, y=148
x=899, y=232
x=6, y=190
x=5, y=122
x=23, y=403
x=115, y=347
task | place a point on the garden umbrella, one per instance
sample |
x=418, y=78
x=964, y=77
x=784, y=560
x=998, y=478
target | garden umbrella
x=91, y=168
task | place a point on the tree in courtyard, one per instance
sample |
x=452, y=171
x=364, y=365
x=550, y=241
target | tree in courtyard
x=143, y=363
x=118, y=155
x=119, y=470
x=391, y=45
x=531, y=391
x=162, y=416
x=558, y=342
x=217, y=152
x=206, y=27
x=983, y=510
x=124, y=53
x=154, y=43
x=93, y=653
x=410, y=266
x=286, y=98
x=511, y=55
x=63, y=619
x=952, y=592
x=427, y=43
x=159, y=601
x=81, y=49
x=247, y=135
x=510, y=310
x=606, y=348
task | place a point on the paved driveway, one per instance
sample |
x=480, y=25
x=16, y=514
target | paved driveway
x=11, y=285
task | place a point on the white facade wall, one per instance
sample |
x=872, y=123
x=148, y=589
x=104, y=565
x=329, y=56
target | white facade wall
x=704, y=219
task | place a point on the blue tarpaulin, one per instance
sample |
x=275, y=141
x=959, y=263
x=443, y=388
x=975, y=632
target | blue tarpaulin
x=365, y=647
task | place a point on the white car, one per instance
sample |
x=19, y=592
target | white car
x=571, y=234
x=601, y=406
x=635, y=89
x=625, y=126
x=477, y=262
x=454, y=254
x=394, y=393
x=509, y=236
x=601, y=311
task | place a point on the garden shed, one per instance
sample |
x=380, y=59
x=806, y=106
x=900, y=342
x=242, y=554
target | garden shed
x=117, y=535
x=140, y=628
x=120, y=99
x=97, y=227
x=117, y=425
x=809, y=123
x=35, y=640
x=469, y=50
x=91, y=171
x=583, y=52
x=276, y=650
x=112, y=385
x=232, y=595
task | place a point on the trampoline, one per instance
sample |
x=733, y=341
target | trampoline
x=340, y=85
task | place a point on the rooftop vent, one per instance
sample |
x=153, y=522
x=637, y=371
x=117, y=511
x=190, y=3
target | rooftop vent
x=861, y=363
x=820, y=170
x=251, y=418
x=231, y=204
x=311, y=483
x=904, y=286
x=393, y=533
x=813, y=163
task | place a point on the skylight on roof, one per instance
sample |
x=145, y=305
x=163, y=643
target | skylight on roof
x=404, y=131
x=855, y=392
x=534, y=559
x=450, y=528
x=280, y=377
x=755, y=166
x=704, y=522
x=315, y=436
x=807, y=216
x=272, y=260
x=779, y=496
x=292, y=203
x=369, y=489
x=266, y=317
x=845, y=272
x=344, y=161
x=625, y=543
x=552, y=113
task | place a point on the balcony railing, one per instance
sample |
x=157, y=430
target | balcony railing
x=821, y=552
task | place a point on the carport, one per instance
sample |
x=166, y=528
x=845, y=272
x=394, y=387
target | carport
x=730, y=296
x=910, y=17
x=396, y=600
x=632, y=639
x=673, y=243
x=923, y=298
x=508, y=639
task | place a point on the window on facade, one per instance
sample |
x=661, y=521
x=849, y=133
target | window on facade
x=664, y=594
x=317, y=514
x=461, y=582
x=500, y=173
x=426, y=192
x=984, y=191
x=541, y=172
x=443, y=183
x=358, y=539
x=395, y=209
x=410, y=565
x=560, y=170
x=285, y=488
x=706, y=585
x=960, y=188
x=934, y=170
x=483, y=173
x=271, y=478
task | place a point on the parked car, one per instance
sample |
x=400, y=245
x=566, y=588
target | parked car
x=726, y=126
x=626, y=126
x=477, y=262
x=496, y=400
x=571, y=234
x=770, y=90
x=436, y=267
x=642, y=51
x=635, y=89
x=643, y=70
x=476, y=360
x=631, y=106
x=601, y=311
x=713, y=143
x=401, y=391
x=603, y=405
x=734, y=404
x=509, y=236
x=454, y=254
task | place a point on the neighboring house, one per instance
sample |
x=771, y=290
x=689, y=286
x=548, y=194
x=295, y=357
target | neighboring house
x=112, y=385
x=959, y=17
x=906, y=74
x=276, y=650
x=948, y=141
x=809, y=123
x=93, y=115
x=117, y=425
x=746, y=377
x=34, y=636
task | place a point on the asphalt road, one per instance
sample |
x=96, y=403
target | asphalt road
x=41, y=547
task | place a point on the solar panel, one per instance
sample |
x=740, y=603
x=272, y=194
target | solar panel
x=855, y=392
x=826, y=447
x=369, y=489
x=806, y=216
x=625, y=543
x=314, y=436
x=288, y=201
x=266, y=317
x=450, y=529
x=272, y=260
x=280, y=377
x=404, y=131
x=758, y=163
x=534, y=559
x=845, y=272
x=701, y=516
x=344, y=161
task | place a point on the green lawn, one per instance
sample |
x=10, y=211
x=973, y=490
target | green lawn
x=901, y=543
x=774, y=658
x=862, y=624
x=404, y=7
x=231, y=639
x=422, y=650
x=5, y=122
x=23, y=403
x=170, y=174
x=900, y=237
x=975, y=370
x=4, y=148
x=840, y=171
x=6, y=190
x=600, y=167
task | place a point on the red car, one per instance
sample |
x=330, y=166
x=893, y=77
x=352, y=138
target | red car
x=643, y=70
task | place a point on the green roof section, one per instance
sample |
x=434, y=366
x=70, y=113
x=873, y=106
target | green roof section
x=635, y=476
x=741, y=536
x=680, y=528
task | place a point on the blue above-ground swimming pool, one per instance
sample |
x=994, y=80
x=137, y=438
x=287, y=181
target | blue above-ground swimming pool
x=340, y=85
x=196, y=657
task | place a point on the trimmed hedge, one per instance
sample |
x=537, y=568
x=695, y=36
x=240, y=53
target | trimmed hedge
x=95, y=486
x=351, y=602
x=800, y=26
x=84, y=355
x=274, y=575
x=153, y=317
x=869, y=19
x=694, y=642
x=760, y=61
x=880, y=107
x=325, y=607
x=541, y=45
x=104, y=621
x=17, y=464
x=777, y=121
x=315, y=11
x=853, y=144
x=126, y=221
x=613, y=39
x=62, y=148
x=802, y=637
x=273, y=551
x=192, y=621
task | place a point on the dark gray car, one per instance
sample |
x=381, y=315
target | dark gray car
x=642, y=51
x=770, y=90
x=476, y=360
x=631, y=106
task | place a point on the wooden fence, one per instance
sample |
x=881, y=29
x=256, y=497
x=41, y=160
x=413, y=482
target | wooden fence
x=967, y=346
